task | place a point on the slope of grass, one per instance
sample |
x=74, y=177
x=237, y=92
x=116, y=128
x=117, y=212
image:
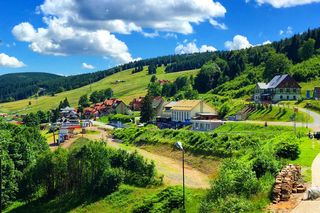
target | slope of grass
x=123, y=200
x=278, y=114
x=236, y=127
x=135, y=85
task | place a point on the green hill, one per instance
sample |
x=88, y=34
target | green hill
x=17, y=86
x=134, y=85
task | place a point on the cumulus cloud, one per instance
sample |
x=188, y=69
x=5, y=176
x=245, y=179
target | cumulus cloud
x=285, y=3
x=124, y=16
x=218, y=25
x=238, y=42
x=87, y=66
x=88, y=26
x=191, y=47
x=9, y=61
x=286, y=32
x=59, y=39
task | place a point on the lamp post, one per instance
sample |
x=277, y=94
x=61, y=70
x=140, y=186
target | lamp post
x=180, y=147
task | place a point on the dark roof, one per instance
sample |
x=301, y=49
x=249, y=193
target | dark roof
x=276, y=81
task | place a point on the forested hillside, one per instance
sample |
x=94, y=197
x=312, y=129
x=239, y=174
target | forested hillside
x=276, y=58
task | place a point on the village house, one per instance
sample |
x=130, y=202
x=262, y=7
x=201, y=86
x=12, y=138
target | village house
x=109, y=106
x=157, y=104
x=281, y=87
x=162, y=82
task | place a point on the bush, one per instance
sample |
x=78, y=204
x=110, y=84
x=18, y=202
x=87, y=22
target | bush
x=165, y=201
x=288, y=149
x=236, y=180
x=265, y=161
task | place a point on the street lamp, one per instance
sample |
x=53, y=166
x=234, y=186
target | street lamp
x=180, y=147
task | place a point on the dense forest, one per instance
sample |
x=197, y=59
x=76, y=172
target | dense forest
x=277, y=58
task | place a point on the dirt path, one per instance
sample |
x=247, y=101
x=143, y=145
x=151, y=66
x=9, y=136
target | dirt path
x=172, y=169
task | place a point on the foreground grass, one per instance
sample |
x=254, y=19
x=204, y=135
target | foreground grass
x=123, y=200
x=281, y=114
x=134, y=85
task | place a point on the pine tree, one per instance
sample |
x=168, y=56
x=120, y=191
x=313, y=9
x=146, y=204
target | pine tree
x=147, y=112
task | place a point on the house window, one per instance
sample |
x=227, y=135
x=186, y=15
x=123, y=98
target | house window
x=294, y=97
x=295, y=90
x=281, y=97
x=281, y=90
x=288, y=97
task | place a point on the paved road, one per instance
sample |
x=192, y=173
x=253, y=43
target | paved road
x=307, y=207
x=316, y=171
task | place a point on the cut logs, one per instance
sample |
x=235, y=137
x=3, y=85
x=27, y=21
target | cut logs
x=288, y=181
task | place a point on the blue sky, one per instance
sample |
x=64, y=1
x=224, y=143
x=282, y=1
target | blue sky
x=76, y=36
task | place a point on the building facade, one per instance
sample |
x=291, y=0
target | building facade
x=183, y=111
x=281, y=87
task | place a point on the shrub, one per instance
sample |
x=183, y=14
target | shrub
x=288, y=150
x=265, y=161
x=236, y=179
x=165, y=201
x=286, y=146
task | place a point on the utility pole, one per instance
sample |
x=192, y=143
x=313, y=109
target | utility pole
x=180, y=147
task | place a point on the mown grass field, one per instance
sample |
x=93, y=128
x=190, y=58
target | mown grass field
x=284, y=114
x=134, y=85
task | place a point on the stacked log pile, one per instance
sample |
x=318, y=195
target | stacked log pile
x=288, y=181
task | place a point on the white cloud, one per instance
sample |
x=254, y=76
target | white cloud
x=266, y=42
x=218, y=25
x=171, y=35
x=238, y=42
x=150, y=35
x=88, y=26
x=12, y=62
x=124, y=16
x=87, y=66
x=59, y=39
x=285, y=3
x=286, y=32
x=191, y=47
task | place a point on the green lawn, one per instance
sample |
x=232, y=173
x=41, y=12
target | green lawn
x=284, y=114
x=123, y=200
x=135, y=85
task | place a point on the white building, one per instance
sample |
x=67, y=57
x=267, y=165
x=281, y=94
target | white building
x=205, y=125
x=281, y=87
x=185, y=110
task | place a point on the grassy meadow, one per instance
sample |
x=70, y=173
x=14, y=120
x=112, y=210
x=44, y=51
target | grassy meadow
x=134, y=85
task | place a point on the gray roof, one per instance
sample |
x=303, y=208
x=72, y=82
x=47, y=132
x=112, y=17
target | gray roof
x=273, y=83
x=262, y=85
x=276, y=81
